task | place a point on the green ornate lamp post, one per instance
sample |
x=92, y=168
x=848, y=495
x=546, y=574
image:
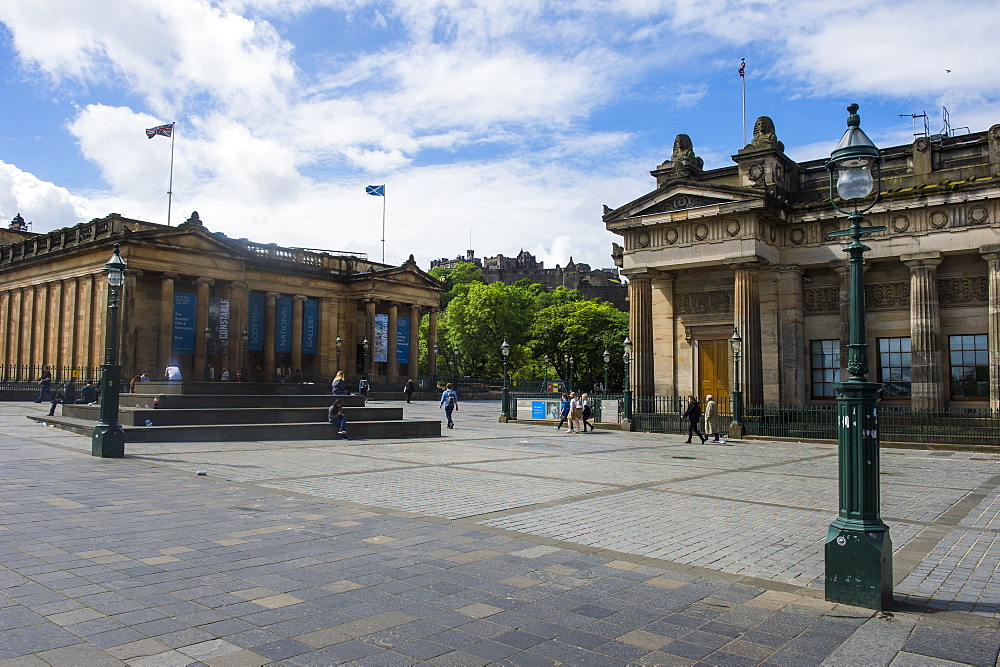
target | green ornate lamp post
x=434, y=367
x=572, y=371
x=208, y=348
x=108, y=438
x=736, y=429
x=504, y=408
x=455, y=362
x=364, y=359
x=858, y=547
x=607, y=360
x=547, y=362
x=246, y=340
x=627, y=393
x=340, y=346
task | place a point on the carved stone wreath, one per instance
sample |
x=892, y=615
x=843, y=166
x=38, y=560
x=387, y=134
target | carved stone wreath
x=701, y=232
x=642, y=240
x=939, y=219
x=978, y=215
x=900, y=223
x=732, y=227
x=797, y=236
x=671, y=236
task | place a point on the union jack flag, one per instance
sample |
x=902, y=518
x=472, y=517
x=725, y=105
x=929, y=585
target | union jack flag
x=742, y=70
x=162, y=130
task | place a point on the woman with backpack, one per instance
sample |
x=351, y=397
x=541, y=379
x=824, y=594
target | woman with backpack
x=449, y=401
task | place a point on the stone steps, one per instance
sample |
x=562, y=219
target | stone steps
x=187, y=401
x=210, y=416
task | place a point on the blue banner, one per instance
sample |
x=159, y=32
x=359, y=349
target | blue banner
x=380, y=347
x=283, y=325
x=255, y=322
x=310, y=326
x=403, y=340
x=184, y=309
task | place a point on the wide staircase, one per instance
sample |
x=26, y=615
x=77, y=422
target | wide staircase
x=241, y=412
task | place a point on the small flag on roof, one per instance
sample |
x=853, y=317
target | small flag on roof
x=743, y=67
x=162, y=130
x=376, y=190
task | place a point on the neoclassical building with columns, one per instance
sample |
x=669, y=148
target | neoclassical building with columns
x=747, y=246
x=193, y=297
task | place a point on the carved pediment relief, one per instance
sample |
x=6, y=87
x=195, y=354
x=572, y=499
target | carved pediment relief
x=681, y=202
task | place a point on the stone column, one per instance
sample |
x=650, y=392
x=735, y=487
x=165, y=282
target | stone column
x=4, y=332
x=28, y=341
x=992, y=256
x=127, y=355
x=86, y=324
x=237, y=322
x=298, y=302
x=927, y=381
x=166, y=347
x=42, y=332
x=370, y=334
x=200, y=322
x=791, y=336
x=413, y=367
x=392, y=367
x=16, y=329
x=432, y=341
x=640, y=294
x=71, y=344
x=665, y=340
x=746, y=318
x=270, y=314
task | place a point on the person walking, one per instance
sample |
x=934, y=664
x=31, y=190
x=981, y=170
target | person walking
x=713, y=422
x=563, y=411
x=575, y=413
x=45, y=385
x=337, y=416
x=363, y=388
x=224, y=377
x=449, y=401
x=409, y=389
x=693, y=414
x=588, y=412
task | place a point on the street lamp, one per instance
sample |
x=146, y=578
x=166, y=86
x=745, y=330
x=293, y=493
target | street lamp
x=607, y=360
x=208, y=346
x=434, y=366
x=547, y=359
x=246, y=341
x=504, y=352
x=364, y=358
x=340, y=344
x=627, y=393
x=108, y=438
x=571, y=372
x=736, y=429
x=455, y=361
x=858, y=546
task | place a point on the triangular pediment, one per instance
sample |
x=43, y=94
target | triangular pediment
x=407, y=273
x=678, y=197
x=681, y=202
x=192, y=238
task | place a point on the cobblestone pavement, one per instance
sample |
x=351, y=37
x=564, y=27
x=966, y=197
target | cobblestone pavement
x=493, y=544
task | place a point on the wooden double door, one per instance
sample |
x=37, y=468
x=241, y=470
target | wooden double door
x=714, y=364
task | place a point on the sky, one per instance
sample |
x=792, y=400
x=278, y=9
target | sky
x=507, y=122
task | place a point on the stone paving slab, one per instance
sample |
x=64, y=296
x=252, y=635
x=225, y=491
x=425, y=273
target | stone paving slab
x=441, y=552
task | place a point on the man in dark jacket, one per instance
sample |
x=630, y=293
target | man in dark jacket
x=693, y=414
x=67, y=394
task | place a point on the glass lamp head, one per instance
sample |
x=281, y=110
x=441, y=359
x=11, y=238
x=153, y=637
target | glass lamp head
x=505, y=348
x=853, y=159
x=116, y=268
x=736, y=343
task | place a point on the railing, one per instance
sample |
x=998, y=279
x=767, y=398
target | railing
x=20, y=378
x=607, y=407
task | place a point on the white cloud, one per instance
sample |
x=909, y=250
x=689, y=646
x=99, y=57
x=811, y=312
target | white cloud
x=43, y=204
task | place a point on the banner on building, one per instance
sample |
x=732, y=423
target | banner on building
x=380, y=346
x=184, y=311
x=310, y=326
x=283, y=325
x=218, y=324
x=255, y=322
x=403, y=340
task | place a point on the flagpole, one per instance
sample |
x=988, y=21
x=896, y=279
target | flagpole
x=743, y=85
x=170, y=187
x=383, y=224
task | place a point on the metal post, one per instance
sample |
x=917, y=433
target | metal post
x=208, y=345
x=627, y=393
x=246, y=340
x=340, y=344
x=504, y=407
x=108, y=438
x=736, y=428
x=858, y=547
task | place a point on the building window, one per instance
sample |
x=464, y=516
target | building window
x=825, y=367
x=894, y=366
x=970, y=366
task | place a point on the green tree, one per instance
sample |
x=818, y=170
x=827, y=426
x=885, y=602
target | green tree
x=479, y=319
x=584, y=330
x=458, y=279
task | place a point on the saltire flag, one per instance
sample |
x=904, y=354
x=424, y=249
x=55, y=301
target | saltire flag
x=162, y=130
x=742, y=70
x=376, y=190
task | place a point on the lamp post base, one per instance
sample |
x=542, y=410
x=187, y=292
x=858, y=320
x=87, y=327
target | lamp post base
x=108, y=441
x=736, y=431
x=859, y=567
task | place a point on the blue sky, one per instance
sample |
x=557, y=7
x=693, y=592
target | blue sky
x=510, y=119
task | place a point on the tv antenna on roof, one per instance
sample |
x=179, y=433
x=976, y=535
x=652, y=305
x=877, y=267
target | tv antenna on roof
x=948, y=130
x=916, y=133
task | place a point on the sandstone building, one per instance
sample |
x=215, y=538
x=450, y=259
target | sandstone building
x=190, y=295
x=604, y=284
x=747, y=246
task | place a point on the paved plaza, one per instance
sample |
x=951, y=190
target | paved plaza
x=493, y=544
